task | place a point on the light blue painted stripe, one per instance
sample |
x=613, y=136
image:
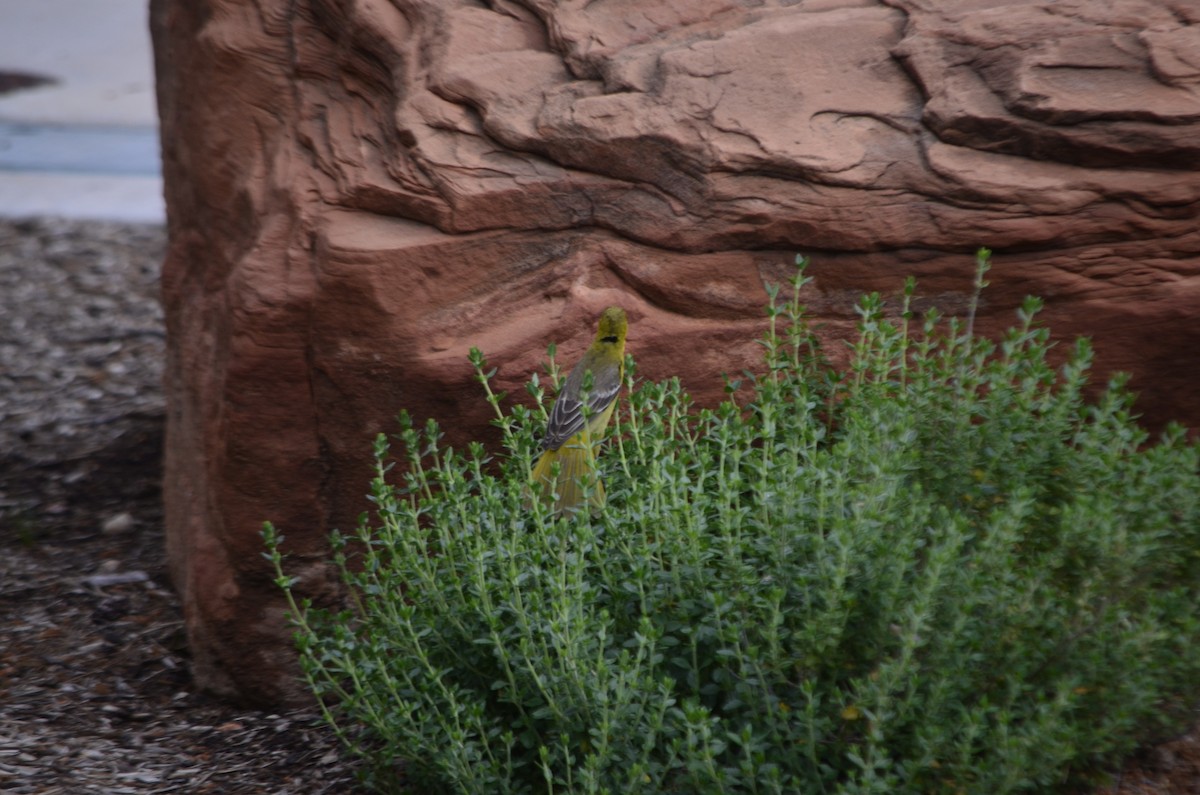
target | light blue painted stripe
x=79, y=149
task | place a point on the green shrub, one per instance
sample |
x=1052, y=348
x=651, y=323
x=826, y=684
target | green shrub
x=942, y=571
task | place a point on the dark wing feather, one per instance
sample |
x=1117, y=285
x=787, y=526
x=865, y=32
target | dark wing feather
x=566, y=417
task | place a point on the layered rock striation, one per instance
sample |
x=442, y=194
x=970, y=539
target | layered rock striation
x=358, y=191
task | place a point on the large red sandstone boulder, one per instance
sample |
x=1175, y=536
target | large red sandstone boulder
x=360, y=190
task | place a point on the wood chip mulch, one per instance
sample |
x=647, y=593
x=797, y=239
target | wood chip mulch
x=94, y=690
x=95, y=694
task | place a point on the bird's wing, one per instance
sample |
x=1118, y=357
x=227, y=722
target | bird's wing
x=566, y=417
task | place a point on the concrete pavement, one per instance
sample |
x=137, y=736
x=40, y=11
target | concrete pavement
x=85, y=145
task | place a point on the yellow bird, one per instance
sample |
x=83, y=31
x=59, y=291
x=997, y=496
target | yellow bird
x=569, y=440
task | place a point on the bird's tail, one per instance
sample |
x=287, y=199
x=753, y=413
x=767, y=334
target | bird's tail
x=577, y=476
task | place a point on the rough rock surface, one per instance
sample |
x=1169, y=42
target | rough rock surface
x=360, y=190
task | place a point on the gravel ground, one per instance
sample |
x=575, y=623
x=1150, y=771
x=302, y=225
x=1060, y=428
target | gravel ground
x=95, y=695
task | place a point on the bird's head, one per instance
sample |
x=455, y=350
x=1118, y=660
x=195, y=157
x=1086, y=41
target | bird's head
x=612, y=326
